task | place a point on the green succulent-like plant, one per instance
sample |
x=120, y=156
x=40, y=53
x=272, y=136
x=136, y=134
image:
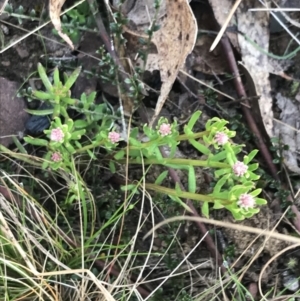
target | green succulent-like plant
x=235, y=187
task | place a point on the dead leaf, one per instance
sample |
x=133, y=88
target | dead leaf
x=54, y=12
x=174, y=41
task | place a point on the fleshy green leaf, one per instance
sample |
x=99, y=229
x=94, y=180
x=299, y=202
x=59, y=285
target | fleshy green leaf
x=250, y=156
x=218, y=204
x=178, y=189
x=70, y=124
x=130, y=187
x=112, y=166
x=44, y=78
x=56, y=79
x=161, y=177
x=253, y=166
x=191, y=179
x=253, y=176
x=260, y=201
x=256, y=192
x=72, y=79
x=134, y=142
x=91, y=154
x=41, y=95
x=218, y=157
x=180, y=202
x=91, y=97
x=193, y=120
x=200, y=147
x=221, y=172
x=220, y=184
x=36, y=141
x=70, y=148
x=205, y=209
x=80, y=124
x=77, y=134
x=40, y=112
x=70, y=101
x=119, y=155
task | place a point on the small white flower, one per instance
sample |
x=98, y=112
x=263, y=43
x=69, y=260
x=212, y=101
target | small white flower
x=239, y=168
x=221, y=138
x=165, y=129
x=57, y=135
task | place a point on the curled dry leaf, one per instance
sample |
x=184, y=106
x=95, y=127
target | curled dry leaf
x=54, y=12
x=174, y=41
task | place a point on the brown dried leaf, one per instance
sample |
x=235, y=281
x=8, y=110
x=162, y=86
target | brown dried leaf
x=174, y=41
x=54, y=12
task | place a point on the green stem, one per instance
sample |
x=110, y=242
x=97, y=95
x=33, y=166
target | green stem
x=149, y=143
x=185, y=194
x=193, y=136
x=184, y=162
x=160, y=139
x=87, y=147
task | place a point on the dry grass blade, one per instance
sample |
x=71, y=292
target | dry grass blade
x=270, y=234
x=3, y=6
x=221, y=32
x=54, y=12
x=268, y=263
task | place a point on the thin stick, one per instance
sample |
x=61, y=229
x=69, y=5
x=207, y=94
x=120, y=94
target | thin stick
x=221, y=32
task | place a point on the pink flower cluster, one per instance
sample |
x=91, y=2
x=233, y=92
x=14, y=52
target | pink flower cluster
x=57, y=135
x=114, y=137
x=221, y=138
x=246, y=201
x=165, y=129
x=56, y=157
x=239, y=168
